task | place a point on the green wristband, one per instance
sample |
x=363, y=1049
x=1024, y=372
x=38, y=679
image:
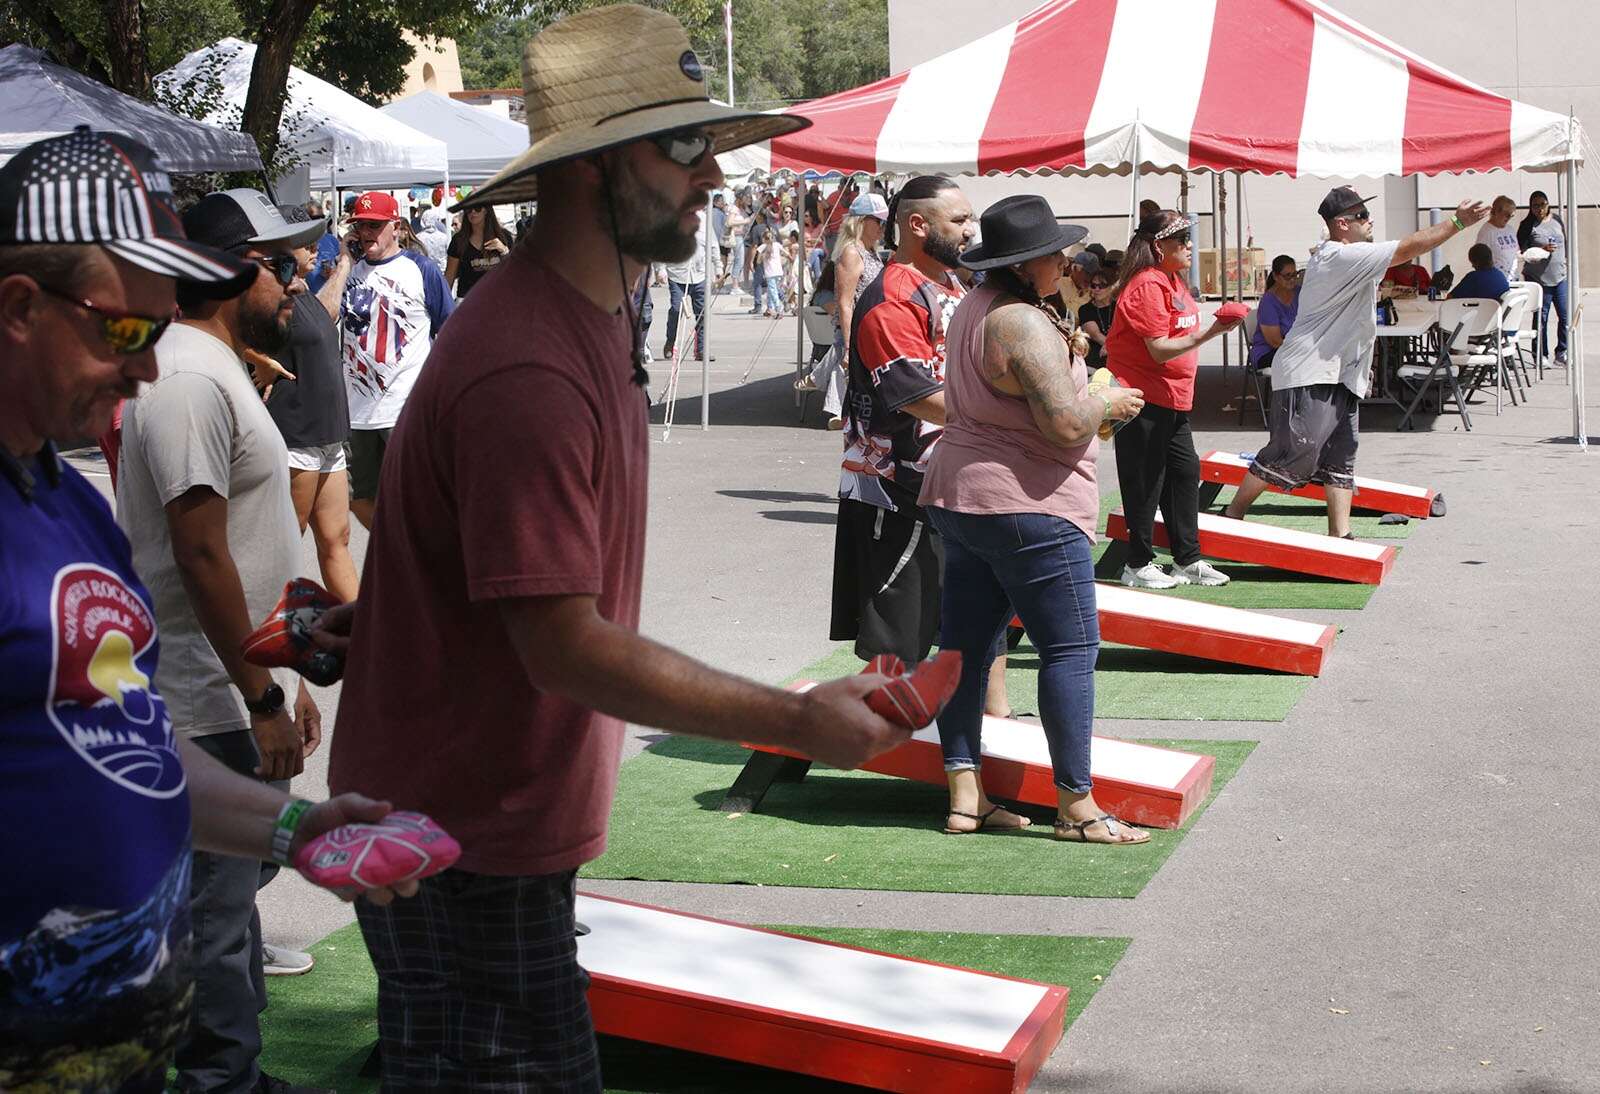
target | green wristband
x=289, y=818
x=1460, y=227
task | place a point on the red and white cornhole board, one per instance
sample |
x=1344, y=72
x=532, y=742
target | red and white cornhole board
x=1374, y=494
x=1155, y=622
x=1281, y=548
x=812, y=1007
x=1142, y=784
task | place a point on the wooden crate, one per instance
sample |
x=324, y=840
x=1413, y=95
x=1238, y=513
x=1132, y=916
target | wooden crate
x=1255, y=271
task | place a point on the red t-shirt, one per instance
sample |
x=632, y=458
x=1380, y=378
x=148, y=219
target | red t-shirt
x=518, y=469
x=1155, y=304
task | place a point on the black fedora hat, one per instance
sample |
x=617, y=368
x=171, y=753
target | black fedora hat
x=1018, y=228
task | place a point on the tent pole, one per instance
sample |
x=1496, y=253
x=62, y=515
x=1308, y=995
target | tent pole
x=1133, y=200
x=705, y=325
x=1222, y=255
x=1238, y=235
x=1575, y=375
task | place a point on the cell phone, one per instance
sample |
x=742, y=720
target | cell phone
x=354, y=246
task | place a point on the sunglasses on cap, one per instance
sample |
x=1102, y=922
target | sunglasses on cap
x=122, y=332
x=284, y=267
x=685, y=148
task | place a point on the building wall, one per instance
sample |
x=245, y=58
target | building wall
x=1537, y=51
x=435, y=67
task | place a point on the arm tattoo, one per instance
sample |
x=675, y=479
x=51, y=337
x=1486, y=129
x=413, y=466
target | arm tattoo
x=1021, y=339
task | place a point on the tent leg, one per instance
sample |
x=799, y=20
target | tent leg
x=1222, y=256
x=705, y=321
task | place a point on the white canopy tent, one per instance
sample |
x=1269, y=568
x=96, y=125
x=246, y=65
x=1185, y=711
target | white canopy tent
x=346, y=143
x=480, y=142
x=40, y=99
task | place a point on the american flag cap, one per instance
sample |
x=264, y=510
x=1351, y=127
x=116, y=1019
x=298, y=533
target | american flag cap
x=90, y=187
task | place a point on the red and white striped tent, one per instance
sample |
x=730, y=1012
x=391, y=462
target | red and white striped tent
x=1091, y=86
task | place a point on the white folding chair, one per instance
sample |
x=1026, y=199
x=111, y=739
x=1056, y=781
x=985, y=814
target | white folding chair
x=1527, y=337
x=1262, y=378
x=819, y=328
x=1459, y=322
x=1515, y=305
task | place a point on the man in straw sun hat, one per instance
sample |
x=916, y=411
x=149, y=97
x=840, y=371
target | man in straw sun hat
x=493, y=654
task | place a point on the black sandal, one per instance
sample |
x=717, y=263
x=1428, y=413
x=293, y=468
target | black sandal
x=1062, y=827
x=983, y=822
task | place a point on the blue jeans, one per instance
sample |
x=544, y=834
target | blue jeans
x=696, y=291
x=774, y=294
x=1557, y=295
x=1041, y=566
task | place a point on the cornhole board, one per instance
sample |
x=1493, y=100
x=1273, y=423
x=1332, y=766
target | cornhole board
x=1280, y=548
x=817, y=1008
x=1197, y=629
x=1141, y=784
x=1219, y=469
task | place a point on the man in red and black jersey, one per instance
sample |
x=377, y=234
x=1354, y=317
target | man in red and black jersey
x=887, y=560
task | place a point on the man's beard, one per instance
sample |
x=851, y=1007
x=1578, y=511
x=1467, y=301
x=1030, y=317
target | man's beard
x=263, y=331
x=648, y=228
x=943, y=249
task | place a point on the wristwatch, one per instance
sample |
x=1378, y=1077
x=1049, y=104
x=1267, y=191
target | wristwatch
x=271, y=701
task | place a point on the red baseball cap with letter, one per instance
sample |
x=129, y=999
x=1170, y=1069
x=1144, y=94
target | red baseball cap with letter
x=375, y=205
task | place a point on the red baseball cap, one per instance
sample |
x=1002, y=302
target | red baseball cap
x=375, y=205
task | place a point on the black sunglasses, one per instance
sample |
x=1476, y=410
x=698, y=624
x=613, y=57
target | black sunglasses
x=121, y=331
x=685, y=148
x=284, y=267
x=1358, y=216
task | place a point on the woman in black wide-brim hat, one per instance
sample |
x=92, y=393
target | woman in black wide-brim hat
x=1011, y=490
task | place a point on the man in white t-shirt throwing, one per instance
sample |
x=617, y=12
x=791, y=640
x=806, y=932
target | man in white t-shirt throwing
x=1324, y=368
x=394, y=304
x=1500, y=236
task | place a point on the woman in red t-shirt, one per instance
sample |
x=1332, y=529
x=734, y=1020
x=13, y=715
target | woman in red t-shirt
x=1154, y=345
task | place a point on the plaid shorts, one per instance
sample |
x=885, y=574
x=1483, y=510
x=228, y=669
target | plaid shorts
x=479, y=987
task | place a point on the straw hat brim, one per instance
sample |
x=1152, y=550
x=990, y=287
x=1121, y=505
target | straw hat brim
x=731, y=128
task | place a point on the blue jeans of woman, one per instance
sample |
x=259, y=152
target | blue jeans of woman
x=1040, y=566
x=1557, y=295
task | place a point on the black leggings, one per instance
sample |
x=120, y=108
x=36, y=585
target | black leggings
x=1157, y=463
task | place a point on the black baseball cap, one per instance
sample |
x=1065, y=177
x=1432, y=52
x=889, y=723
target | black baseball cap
x=89, y=187
x=1340, y=200
x=229, y=219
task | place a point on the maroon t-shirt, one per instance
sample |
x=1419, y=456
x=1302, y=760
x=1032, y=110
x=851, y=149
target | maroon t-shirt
x=518, y=468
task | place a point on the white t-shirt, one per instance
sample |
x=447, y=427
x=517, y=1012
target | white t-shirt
x=1331, y=340
x=391, y=312
x=772, y=259
x=693, y=268
x=202, y=423
x=1502, y=242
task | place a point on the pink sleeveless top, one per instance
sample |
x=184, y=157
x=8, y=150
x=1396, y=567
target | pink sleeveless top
x=991, y=457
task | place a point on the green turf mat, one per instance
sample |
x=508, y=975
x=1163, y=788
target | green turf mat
x=1311, y=515
x=1136, y=683
x=1264, y=588
x=320, y=1027
x=854, y=830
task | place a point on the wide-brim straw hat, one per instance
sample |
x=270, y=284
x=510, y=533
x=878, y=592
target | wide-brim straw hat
x=610, y=76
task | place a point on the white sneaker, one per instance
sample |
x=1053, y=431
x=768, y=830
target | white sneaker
x=1201, y=573
x=277, y=961
x=1150, y=576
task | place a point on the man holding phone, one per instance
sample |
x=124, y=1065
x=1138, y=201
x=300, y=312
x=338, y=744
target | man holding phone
x=394, y=304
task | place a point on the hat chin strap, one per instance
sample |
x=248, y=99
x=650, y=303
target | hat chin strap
x=641, y=375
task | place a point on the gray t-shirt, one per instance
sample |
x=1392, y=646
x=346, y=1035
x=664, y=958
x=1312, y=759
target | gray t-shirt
x=1550, y=235
x=1331, y=340
x=203, y=424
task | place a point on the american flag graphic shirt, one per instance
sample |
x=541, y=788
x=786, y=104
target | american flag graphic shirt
x=391, y=310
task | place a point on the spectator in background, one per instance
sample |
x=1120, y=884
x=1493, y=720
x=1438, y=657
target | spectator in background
x=328, y=248
x=1276, y=312
x=755, y=239
x=1072, y=292
x=1111, y=263
x=1501, y=238
x=1486, y=281
x=688, y=279
x=1095, y=318
x=719, y=234
x=1409, y=275
x=737, y=222
x=772, y=271
x=837, y=208
x=477, y=248
x=1547, y=231
x=435, y=236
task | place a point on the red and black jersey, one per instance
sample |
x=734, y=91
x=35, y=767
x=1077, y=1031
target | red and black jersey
x=896, y=358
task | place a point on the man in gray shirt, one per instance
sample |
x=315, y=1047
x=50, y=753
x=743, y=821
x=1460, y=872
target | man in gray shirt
x=204, y=498
x=1324, y=368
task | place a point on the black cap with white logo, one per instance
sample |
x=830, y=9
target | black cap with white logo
x=236, y=218
x=106, y=189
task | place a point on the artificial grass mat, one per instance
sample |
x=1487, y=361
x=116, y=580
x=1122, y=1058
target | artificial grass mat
x=1136, y=683
x=320, y=1027
x=1311, y=515
x=856, y=830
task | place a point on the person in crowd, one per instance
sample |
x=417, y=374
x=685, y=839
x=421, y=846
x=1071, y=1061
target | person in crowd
x=503, y=579
x=477, y=248
x=1542, y=228
x=792, y=266
x=773, y=266
x=738, y=222
x=724, y=245
x=1275, y=313
x=1485, y=281
x=78, y=326
x=1500, y=237
x=406, y=236
x=1011, y=490
x=1072, y=293
x=1099, y=252
x=1409, y=275
x=1323, y=369
x=1154, y=346
x=814, y=202
x=204, y=499
x=312, y=412
x=856, y=265
x=392, y=309
x=688, y=279
x=434, y=238
x=1111, y=263
x=815, y=255
x=837, y=207
x=887, y=562
x=1096, y=316
x=328, y=247
x=756, y=273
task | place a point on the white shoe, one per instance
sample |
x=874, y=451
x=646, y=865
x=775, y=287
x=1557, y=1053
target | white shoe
x=1150, y=576
x=1201, y=573
x=277, y=961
